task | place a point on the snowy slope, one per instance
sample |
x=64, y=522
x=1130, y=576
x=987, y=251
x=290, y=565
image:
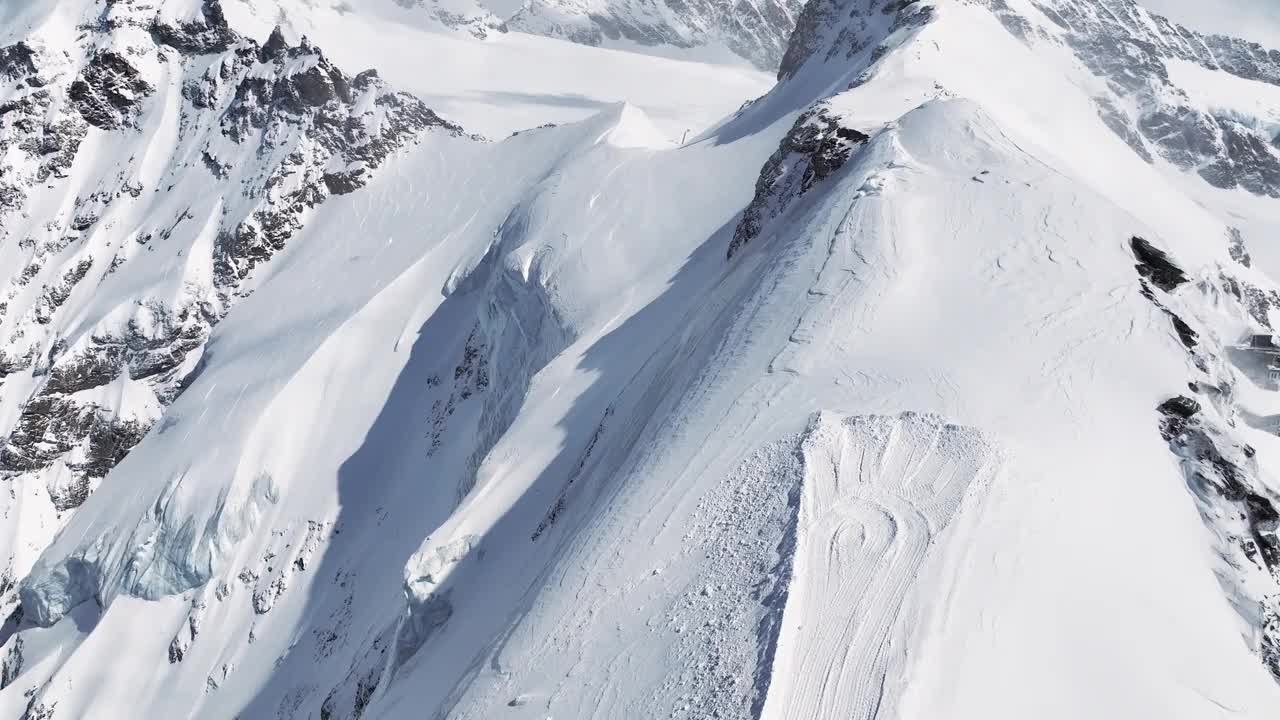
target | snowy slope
x=511, y=81
x=148, y=169
x=907, y=390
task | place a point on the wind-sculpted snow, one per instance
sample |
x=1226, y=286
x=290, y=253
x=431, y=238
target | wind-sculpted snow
x=839, y=30
x=817, y=146
x=1222, y=471
x=878, y=494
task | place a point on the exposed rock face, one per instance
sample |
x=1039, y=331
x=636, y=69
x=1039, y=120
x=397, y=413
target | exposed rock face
x=755, y=30
x=817, y=146
x=1131, y=49
x=349, y=700
x=1237, y=249
x=842, y=29
x=277, y=127
x=1155, y=265
x=35, y=142
x=109, y=92
x=1221, y=471
x=11, y=666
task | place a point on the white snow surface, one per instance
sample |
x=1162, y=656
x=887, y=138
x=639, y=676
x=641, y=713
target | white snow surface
x=510, y=81
x=877, y=495
x=505, y=433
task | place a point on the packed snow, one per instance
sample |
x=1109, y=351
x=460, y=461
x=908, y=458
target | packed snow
x=877, y=494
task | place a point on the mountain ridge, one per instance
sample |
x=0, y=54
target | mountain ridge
x=556, y=426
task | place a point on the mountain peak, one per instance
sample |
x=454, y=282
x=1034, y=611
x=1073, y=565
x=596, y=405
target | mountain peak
x=937, y=380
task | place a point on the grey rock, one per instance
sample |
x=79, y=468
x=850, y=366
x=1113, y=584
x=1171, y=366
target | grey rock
x=56, y=294
x=308, y=120
x=1156, y=266
x=838, y=30
x=17, y=62
x=324, y=101
x=816, y=147
x=29, y=126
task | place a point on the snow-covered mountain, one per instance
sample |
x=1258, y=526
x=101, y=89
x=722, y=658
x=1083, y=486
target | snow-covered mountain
x=930, y=383
x=754, y=30
x=451, y=17
x=1255, y=20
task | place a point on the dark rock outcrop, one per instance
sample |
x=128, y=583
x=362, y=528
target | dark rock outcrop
x=842, y=29
x=109, y=92
x=55, y=294
x=320, y=108
x=815, y=148
x=11, y=666
x=1221, y=471
x=1156, y=268
x=17, y=61
x=1177, y=409
x=1155, y=265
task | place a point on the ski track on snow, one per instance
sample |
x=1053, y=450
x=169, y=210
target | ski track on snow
x=877, y=493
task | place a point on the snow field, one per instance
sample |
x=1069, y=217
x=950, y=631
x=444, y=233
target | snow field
x=504, y=435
